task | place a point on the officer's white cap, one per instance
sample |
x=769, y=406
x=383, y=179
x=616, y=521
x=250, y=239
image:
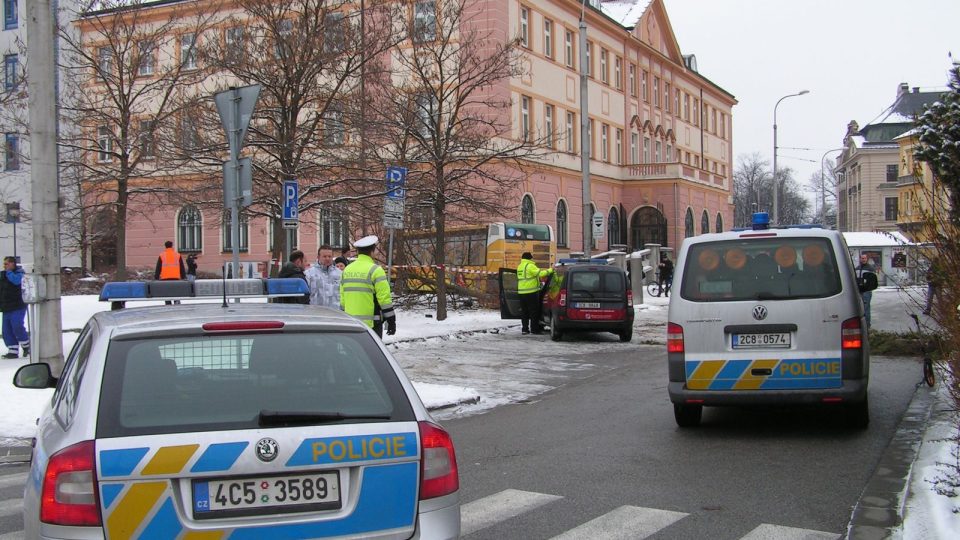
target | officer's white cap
x=366, y=241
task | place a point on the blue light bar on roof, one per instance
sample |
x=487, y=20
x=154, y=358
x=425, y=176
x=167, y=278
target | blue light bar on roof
x=761, y=221
x=287, y=287
x=126, y=291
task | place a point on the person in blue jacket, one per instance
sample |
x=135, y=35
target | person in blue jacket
x=14, y=310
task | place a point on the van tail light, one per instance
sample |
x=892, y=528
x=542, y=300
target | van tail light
x=674, y=338
x=851, y=334
x=69, y=494
x=438, y=462
x=563, y=298
x=629, y=298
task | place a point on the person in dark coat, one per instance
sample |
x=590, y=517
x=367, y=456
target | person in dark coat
x=294, y=269
x=14, y=310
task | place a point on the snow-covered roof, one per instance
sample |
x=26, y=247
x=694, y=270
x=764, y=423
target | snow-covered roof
x=858, y=140
x=876, y=239
x=625, y=12
x=911, y=133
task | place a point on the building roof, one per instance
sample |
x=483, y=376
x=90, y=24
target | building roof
x=898, y=117
x=625, y=12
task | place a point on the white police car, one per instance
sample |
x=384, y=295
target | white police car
x=246, y=420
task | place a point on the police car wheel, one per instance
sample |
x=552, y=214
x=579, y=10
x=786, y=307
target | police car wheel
x=555, y=333
x=687, y=415
x=626, y=334
x=857, y=415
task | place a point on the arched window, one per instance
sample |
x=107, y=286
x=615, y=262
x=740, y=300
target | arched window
x=719, y=224
x=332, y=227
x=613, y=228
x=647, y=226
x=704, y=223
x=561, y=223
x=189, y=229
x=688, y=224
x=227, y=235
x=526, y=210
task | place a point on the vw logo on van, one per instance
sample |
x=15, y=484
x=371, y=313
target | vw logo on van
x=759, y=313
x=267, y=449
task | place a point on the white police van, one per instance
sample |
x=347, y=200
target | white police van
x=767, y=316
x=249, y=420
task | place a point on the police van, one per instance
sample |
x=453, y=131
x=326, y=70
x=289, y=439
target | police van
x=767, y=316
x=239, y=420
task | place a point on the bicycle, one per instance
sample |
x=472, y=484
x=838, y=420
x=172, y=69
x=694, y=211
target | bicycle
x=654, y=289
x=929, y=375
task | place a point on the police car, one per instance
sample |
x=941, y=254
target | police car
x=234, y=420
x=767, y=317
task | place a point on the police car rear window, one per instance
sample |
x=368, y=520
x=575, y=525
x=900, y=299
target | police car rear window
x=760, y=269
x=213, y=383
x=596, y=282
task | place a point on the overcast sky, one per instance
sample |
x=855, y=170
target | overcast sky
x=850, y=54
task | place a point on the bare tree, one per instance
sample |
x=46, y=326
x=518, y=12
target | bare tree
x=447, y=117
x=309, y=56
x=130, y=74
x=823, y=188
x=752, y=191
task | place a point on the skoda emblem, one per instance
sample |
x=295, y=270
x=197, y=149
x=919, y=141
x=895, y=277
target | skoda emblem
x=267, y=449
x=759, y=313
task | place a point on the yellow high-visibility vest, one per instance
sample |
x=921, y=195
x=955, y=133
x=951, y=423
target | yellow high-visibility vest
x=528, y=276
x=361, y=282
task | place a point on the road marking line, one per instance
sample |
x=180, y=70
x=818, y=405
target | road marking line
x=626, y=522
x=15, y=535
x=779, y=532
x=11, y=507
x=17, y=479
x=498, y=507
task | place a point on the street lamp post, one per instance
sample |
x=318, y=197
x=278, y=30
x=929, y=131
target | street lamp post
x=776, y=184
x=585, y=135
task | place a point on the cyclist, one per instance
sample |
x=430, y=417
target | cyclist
x=664, y=275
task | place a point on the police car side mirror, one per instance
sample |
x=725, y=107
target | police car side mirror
x=34, y=376
x=867, y=282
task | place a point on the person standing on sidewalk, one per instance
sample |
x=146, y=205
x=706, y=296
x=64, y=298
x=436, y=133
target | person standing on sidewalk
x=664, y=276
x=864, y=272
x=14, y=310
x=324, y=280
x=365, y=289
x=192, y=267
x=528, y=287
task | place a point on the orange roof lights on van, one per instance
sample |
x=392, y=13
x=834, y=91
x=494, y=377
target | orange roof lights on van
x=813, y=255
x=785, y=256
x=735, y=258
x=709, y=259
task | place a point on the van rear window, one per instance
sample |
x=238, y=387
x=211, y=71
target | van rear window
x=594, y=282
x=760, y=269
x=213, y=383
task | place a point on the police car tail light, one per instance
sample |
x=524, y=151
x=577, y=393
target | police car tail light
x=563, y=298
x=438, y=462
x=674, y=338
x=851, y=334
x=69, y=495
x=629, y=298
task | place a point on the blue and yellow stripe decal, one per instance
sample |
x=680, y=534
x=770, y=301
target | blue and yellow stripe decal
x=748, y=374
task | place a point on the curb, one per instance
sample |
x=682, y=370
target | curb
x=18, y=452
x=878, y=513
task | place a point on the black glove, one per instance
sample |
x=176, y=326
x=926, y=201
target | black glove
x=391, y=326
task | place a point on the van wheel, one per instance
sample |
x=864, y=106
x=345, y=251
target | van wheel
x=687, y=415
x=626, y=334
x=857, y=415
x=555, y=333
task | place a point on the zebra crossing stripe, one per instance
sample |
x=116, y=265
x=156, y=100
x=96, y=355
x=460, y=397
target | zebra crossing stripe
x=779, y=532
x=626, y=522
x=17, y=479
x=11, y=507
x=498, y=507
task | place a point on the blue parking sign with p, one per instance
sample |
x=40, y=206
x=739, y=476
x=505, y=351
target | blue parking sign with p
x=396, y=182
x=291, y=196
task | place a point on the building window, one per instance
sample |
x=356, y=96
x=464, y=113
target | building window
x=656, y=91
x=719, y=223
x=568, y=48
x=234, y=44
x=723, y=126
x=589, y=59
x=613, y=228
x=890, y=208
x=525, y=27
x=618, y=147
x=334, y=32
x=333, y=229
x=676, y=102
x=592, y=148
x=148, y=59
x=618, y=73
x=190, y=229
x=425, y=21
x=668, y=155
x=333, y=130
x=632, y=79
x=548, y=38
x=704, y=223
x=713, y=120
x=568, y=137
x=686, y=107
x=634, y=150
x=526, y=210
x=604, y=78
x=605, y=143
x=227, y=233
x=646, y=149
x=104, y=61
x=9, y=14
x=688, y=224
x=658, y=156
x=428, y=113
x=104, y=144
x=666, y=96
x=283, y=41
x=548, y=124
x=189, y=136
x=644, y=90
x=148, y=145
x=892, y=173
x=188, y=54
x=10, y=72
x=525, y=118
x=561, y=223
x=696, y=112
x=11, y=152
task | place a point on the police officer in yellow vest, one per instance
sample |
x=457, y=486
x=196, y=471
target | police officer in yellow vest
x=528, y=287
x=365, y=290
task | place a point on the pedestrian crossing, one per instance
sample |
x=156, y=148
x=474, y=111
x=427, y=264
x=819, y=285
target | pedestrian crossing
x=621, y=523
x=624, y=522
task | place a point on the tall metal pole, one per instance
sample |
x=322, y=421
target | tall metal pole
x=41, y=64
x=776, y=184
x=585, y=136
x=234, y=204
